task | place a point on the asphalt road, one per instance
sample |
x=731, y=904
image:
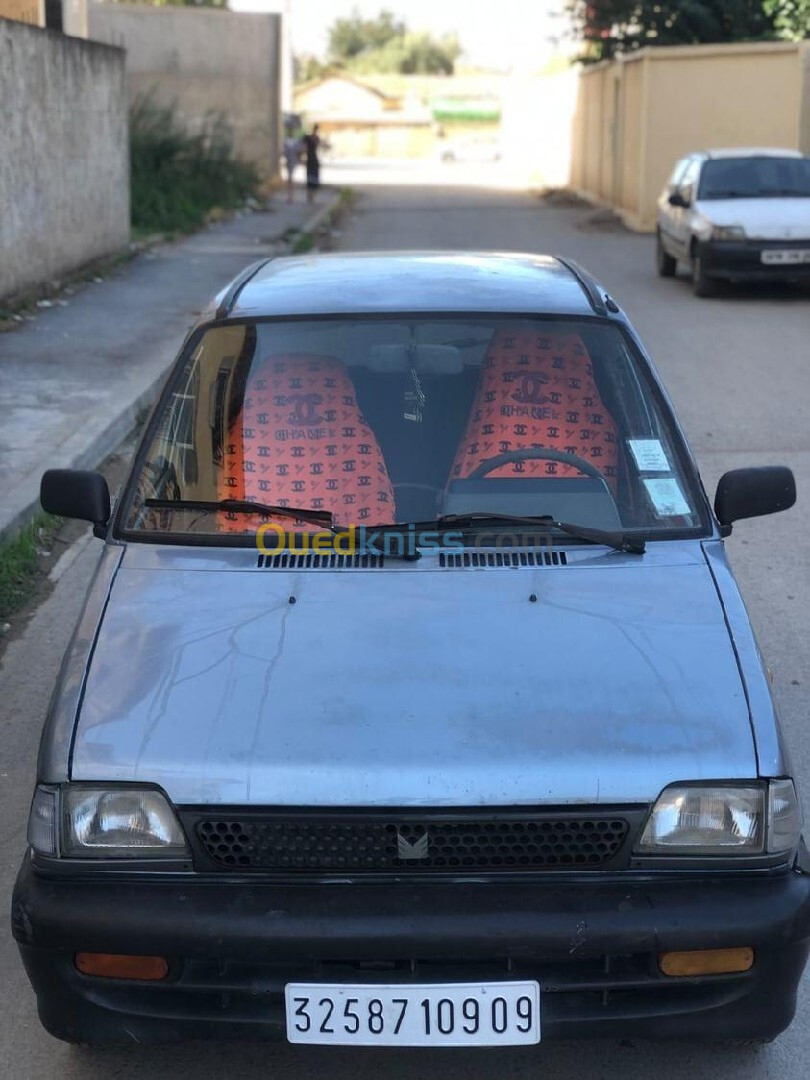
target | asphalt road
x=737, y=370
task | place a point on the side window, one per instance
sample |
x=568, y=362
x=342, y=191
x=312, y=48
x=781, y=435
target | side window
x=690, y=173
x=675, y=179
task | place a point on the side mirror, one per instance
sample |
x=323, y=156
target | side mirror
x=677, y=199
x=74, y=493
x=746, y=493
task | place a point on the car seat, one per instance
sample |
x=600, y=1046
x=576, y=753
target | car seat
x=301, y=440
x=536, y=389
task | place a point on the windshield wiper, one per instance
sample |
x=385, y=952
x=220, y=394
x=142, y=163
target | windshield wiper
x=323, y=518
x=617, y=540
x=243, y=506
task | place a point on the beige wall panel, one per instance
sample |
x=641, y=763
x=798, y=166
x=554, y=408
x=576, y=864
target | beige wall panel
x=697, y=102
x=634, y=118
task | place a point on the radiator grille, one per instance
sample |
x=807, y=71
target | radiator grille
x=313, y=844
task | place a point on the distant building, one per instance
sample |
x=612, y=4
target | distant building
x=359, y=120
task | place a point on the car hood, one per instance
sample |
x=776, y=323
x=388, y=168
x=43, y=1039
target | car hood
x=762, y=219
x=415, y=685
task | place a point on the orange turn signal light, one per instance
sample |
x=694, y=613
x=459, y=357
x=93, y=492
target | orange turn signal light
x=706, y=961
x=116, y=966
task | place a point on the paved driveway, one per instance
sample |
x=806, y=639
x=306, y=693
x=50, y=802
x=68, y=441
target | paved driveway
x=737, y=369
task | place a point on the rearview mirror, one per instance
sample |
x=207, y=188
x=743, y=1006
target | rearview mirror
x=74, y=493
x=677, y=199
x=746, y=493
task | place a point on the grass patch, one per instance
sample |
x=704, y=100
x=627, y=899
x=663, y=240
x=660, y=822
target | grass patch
x=303, y=243
x=19, y=562
x=179, y=177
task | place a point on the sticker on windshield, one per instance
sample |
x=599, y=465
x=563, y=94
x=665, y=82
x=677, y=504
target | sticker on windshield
x=650, y=455
x=667, y=497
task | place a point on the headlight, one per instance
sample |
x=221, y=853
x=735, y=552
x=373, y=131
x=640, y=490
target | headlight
x=102, y=822
x=709, y=820
x=728, y=232
x=713, y=819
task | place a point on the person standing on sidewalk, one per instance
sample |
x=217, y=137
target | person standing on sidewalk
x=311, y=145
x=292, y=149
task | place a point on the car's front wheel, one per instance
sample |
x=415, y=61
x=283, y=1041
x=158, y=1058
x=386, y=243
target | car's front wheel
x=665, y=263
x=702, y=285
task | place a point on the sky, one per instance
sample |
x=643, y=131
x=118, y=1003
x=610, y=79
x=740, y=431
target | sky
x=497, y=34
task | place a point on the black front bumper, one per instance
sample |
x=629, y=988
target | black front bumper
x=741, y=260
x=591, y=944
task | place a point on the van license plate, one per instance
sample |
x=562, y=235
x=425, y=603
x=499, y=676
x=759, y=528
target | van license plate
x=433, y=1014
x=787, y=257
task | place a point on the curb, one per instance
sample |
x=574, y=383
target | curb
x=104, y=443
x=321, y=215
x=121, y=425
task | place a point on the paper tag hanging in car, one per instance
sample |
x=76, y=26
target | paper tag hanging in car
x=667, y=497
x=650, y=455
x=414, y=399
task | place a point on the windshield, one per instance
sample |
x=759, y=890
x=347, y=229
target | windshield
x=755, y=178
x=371, y=421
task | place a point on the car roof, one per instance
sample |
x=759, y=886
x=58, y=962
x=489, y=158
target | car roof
x=752, y=151
x=411, y=282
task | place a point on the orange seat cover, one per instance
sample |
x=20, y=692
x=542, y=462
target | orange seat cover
x=537, y=389
x=301, y=440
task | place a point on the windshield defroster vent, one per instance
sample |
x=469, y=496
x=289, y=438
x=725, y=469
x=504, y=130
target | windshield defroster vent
x=327, y=561
x=464, y=559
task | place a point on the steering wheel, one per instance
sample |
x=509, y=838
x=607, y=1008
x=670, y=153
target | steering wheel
x=534, y=453
x=541, y=453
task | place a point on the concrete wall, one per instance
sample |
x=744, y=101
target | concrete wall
x=204, y=61
x=74, y=17
x=64, y=158
x=636, y=116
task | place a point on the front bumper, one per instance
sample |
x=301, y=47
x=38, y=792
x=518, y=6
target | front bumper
x=741, y=260
x=591, y=944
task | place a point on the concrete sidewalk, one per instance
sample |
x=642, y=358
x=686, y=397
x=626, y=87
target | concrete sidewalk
x=73, y=380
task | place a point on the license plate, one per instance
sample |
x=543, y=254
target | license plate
x=789, y=257
x=433, y=1014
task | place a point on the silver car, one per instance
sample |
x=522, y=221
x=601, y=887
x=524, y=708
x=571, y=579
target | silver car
x=414, y=702
x=736, y=215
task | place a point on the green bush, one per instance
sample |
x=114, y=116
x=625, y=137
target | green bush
x=178, y=176
x=20, y=562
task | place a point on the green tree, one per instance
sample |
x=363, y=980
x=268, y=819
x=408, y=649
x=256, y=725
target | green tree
x=410, y=54
x=384, y=44
x=611, y=26
x=307, y=68
x=354, y=35
x=792, y=17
